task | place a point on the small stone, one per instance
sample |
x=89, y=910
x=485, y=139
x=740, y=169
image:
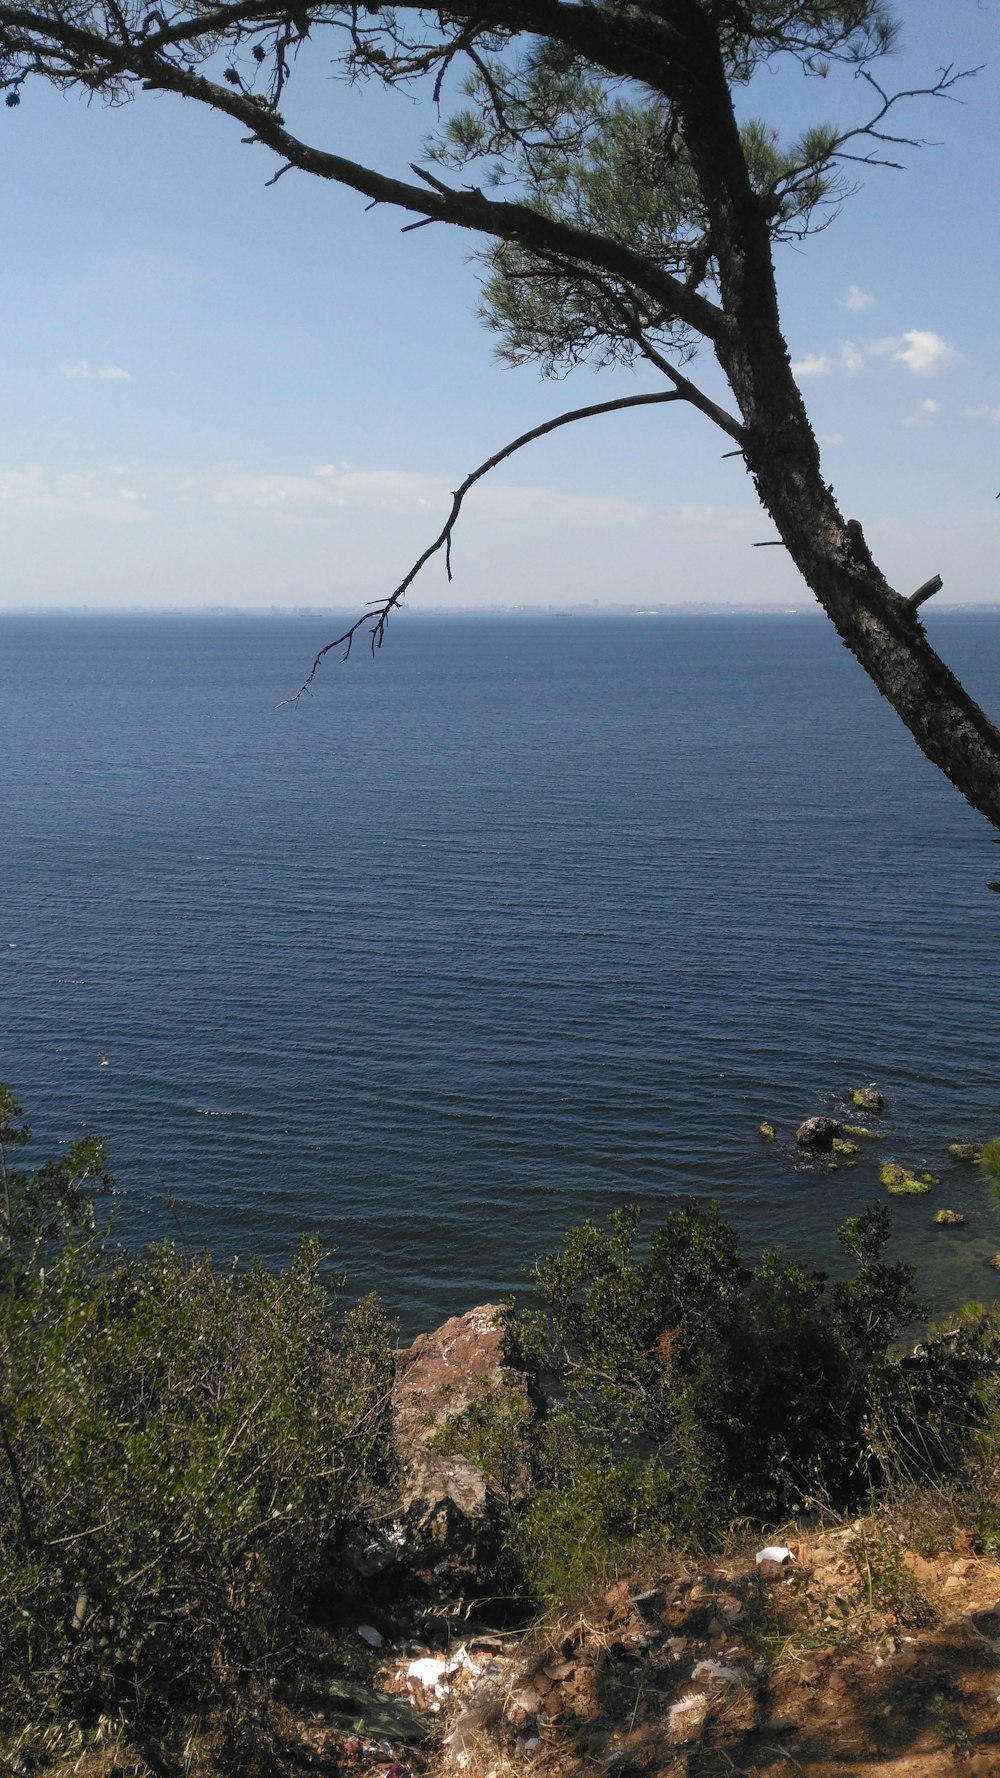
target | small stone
x=963, y=1151
x=949, y=1219
x=768, y=1131
x=842, y=1147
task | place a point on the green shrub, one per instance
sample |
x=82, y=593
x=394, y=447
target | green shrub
x=690, y=1390
x=180, y=1443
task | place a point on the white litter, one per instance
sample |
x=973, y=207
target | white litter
x=684, y=1706
x=774, y=1552
x=430, y=1673
x=369, y=1634
x=716, y=1670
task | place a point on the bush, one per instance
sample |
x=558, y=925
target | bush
x=690, y=1389
x=179, y=1444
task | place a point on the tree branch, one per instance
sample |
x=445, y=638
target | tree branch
x=379, y=616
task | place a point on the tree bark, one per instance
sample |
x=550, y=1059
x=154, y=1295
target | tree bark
x=881, y=628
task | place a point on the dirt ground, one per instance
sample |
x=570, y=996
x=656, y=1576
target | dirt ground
x=852, y=1656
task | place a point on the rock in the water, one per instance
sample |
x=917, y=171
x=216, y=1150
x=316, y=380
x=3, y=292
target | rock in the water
x=868, y=1098
x=949, y=1219
x=817, y=1132
x=768, y=1131
x=902, y=1183
x=963, y=1151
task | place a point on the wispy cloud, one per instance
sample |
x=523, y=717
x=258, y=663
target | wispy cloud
x=832, y=438
x=920, y=351
x=983, y=412
x=921, y=415
x=86, y=372
x=820, y=364
x=137, y=494
x=856, y=299
x=815, y=364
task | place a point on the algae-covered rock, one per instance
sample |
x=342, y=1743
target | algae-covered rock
x=901, y=1182
x=842, y=1147
x=859, y=1130
x=868, y=1099
x=948, y=1219
x=964, y=1151
x=817, y=1132
x=767, y=1130
x=995, y=1262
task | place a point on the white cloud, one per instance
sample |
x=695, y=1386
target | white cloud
x=856, y=299
x=136, y=495
x=926, y=411
x=982, y=412
x=815, y=364
x=95, y=373
x=922, y=352
x=820, y=364
x=831, y=438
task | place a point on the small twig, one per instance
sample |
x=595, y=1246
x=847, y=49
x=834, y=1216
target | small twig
x=772, y=543
x=280, y=174
x=927, y=591
x=379, y=616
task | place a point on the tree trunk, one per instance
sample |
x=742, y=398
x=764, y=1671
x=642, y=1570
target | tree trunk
x=881, y=629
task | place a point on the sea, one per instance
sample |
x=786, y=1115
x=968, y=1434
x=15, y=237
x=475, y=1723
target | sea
x=520, y=919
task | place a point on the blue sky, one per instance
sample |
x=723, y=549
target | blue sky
x=217, y=393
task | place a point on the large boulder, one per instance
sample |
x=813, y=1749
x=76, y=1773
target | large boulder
x=443, y=1372
x=817, y=1132
x=444, y=1518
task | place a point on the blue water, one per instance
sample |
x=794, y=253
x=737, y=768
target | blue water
x=524, y=917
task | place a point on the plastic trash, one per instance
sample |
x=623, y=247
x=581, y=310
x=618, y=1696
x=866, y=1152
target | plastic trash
x=774, y=1552
x=369, y=1634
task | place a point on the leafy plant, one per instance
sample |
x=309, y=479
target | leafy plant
x=182, y=1444
x=689, y=1389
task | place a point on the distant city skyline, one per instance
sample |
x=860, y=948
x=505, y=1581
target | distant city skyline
x=219, y=394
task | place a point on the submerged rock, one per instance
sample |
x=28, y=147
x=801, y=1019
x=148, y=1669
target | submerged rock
x=902, y=1183
x=964, y=1151
x=767, y=1130
x=817, y=1132
x=948, y=1219
x=868, y=1098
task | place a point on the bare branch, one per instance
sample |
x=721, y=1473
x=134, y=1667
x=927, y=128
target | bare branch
x=927, y=591
x=378, y=617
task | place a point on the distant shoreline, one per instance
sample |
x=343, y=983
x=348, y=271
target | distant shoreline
x=307, y=613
